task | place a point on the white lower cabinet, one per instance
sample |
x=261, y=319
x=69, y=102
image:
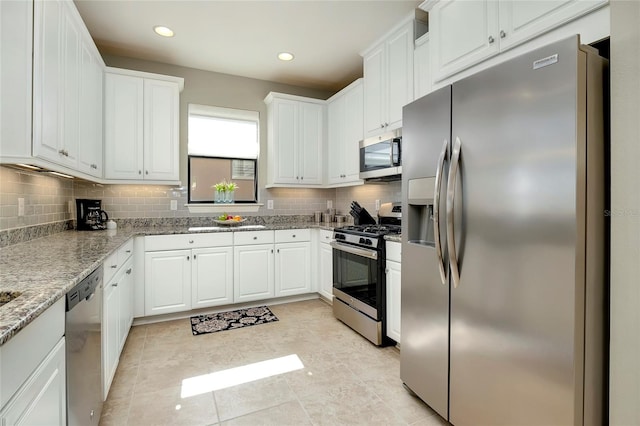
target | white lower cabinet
x=33, y=387
x=292, y=269
x=212, y=277
x=325, y=269
x=43, y=398
x=187, y=271
x=393, y=291
x=117, y=310
x=253, y=272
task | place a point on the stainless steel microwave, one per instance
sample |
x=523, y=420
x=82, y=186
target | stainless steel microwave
x=381, y=157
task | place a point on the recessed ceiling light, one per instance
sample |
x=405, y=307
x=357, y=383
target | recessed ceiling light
x=285, y=56
x=163, y=31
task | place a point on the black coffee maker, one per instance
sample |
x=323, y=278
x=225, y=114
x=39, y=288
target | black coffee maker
x=90, y=216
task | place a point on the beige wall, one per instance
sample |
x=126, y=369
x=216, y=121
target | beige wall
x=624, y=401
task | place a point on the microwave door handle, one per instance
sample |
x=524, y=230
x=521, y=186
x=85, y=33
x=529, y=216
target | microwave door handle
x=436, y=211
x=395, y=143
x=451, y=195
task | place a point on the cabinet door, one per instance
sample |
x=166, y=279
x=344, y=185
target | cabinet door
x=125, y=303
x=285, y=135
x=462, y=33
x=374, y=91
x=110, y=331
x=310, y=142
x=42, y=400
x=353, y=128
x=167, y=285
x=253, y=272
x=48, y=98
x=326, y=271
x=399, y=75
x=123, y=126
x=421, y=69
x=212, y=277
x=393, y=300
x=336, y=121
x=90, y=114
x=71, y=86
x=161, y=139
x=292, y=268
x=523, y=20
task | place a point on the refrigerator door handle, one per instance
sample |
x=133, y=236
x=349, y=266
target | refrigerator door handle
x=451, y=193
x=436, y=211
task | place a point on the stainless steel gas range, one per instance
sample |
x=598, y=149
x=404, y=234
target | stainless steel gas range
x=359, y=274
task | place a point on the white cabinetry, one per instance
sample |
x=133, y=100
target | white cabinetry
x=345, y=127
x=67, y=87
x=388, y=79
x=325, y=267
x=293, y=262
x=464, y=33
x=141, y=126
x=32, y=372
x=421, y=67
x=393, y=291
x=188, y=271
x=295, y=140
x=117, y=309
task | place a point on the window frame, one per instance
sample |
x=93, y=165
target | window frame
x=211, y=202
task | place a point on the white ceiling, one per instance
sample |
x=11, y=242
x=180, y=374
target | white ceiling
x=243, y=37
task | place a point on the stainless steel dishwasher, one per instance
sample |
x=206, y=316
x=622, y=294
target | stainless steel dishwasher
x=84, y=338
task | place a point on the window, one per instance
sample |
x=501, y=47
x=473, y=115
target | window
x=223, y=145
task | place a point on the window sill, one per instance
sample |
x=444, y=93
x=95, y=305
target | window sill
x=224, y=208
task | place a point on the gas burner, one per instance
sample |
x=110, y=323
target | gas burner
x=377, y=230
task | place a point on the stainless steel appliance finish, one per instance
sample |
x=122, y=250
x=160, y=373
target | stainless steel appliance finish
x=359, y=278
x=381, y=157
x=503, y=311
x=83, y=351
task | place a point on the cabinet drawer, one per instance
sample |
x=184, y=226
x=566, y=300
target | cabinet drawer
x=125, y=252
x=326, y=236
x=292, y=235
x=394, y=251
x=111, y=265
x=252, y=237
x=187, y=241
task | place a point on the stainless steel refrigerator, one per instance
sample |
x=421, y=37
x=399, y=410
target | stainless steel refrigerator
x=503, y=242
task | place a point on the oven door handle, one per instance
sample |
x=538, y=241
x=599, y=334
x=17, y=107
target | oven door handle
x=370, y=254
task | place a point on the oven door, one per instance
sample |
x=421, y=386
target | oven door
x=357, y=278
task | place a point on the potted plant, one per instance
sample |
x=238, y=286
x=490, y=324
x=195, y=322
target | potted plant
x=230, y=187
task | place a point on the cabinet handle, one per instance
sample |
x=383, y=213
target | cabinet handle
x=386, y=270
x=297, y=177
x=293, y=236
x=114, y=285
x=271, y=250
x=94, y=166
x=139, y=172
x=188, y=257
x=502, y=34
x=146, y=172
x=114, y=266
x=382, y=126
x=386, y=124
x=278, y=250
x=190, y=241
x=128, y=251
x=491, y=39
x=255, y=238
x=129, y=271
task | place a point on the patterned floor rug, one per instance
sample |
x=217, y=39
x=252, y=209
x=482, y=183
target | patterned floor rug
x=203, y=324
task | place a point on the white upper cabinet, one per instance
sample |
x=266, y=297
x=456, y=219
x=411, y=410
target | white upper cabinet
x=67, y=89
x=464, y=33
x=388, y=78
x=296, y=128
x=345, y=126
x=141, y=126
x=421, y=67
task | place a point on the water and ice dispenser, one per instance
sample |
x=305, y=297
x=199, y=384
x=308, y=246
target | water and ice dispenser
x=420, y=211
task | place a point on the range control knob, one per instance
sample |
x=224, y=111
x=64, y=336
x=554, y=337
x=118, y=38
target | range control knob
x=362, y=241
x=368, y=242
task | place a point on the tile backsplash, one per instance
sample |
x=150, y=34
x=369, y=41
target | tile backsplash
x=47, y=199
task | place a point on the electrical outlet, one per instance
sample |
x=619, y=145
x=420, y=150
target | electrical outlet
x=377, y=205
x=174, y=204
x=269, y=204
x=329, y=204
x=20, y=206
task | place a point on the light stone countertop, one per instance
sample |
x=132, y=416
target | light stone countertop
x=44, y=269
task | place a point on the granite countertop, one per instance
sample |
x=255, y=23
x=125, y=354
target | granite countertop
x=44, y=269
x=394, y=238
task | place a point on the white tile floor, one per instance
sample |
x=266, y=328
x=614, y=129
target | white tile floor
x=345, y=380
